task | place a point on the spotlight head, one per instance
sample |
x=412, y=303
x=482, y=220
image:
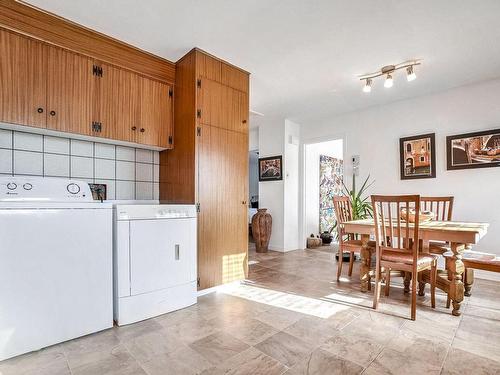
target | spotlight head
x=410, y=74
x=388, y=81
x=368, y=85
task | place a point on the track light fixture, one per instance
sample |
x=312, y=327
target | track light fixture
x=388, y=72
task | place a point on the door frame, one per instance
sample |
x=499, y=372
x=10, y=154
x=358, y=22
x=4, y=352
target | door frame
x=302, y=172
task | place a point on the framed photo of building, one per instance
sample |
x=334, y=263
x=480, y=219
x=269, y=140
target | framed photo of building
x=418, y=156
x=270, y=168
x=473, y=150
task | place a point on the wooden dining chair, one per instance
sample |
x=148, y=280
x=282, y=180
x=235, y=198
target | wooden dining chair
x=397, y=245
x=442, y=208
x=347, y=241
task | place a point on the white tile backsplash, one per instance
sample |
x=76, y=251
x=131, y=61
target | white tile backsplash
x=125, y=190
x=104, y=151
x=56, y=165
x=5, y=161
x=156, y=173
x=125, y=170
x=5, y=138
x=128, y=173
x=26, y=162
x=56, y=145
x=82, y=148
x=82, y=167
x=28, y=141
x=143, y=172
x=144, y=190
x=125, y=153
x=104, y=169
x=143, y=156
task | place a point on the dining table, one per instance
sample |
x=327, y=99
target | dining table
x=458, y=235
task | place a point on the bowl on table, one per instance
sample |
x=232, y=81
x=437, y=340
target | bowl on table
x=424, y=216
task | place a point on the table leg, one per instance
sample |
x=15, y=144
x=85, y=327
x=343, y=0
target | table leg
x=406, y=281
x=456, y=269
x=364, y=273
x=424, y=248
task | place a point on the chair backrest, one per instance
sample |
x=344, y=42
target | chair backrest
x=442, y=207
x=343, y=213
x=393, y=229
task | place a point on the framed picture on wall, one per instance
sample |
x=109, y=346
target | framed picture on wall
x=473, y=150
x=270, y=168
x=418, y=156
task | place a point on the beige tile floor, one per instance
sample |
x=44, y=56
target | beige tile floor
x=292, y=317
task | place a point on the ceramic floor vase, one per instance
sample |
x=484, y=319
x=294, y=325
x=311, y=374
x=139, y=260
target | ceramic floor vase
x=261, y=229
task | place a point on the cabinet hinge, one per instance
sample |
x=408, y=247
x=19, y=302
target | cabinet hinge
x=198, y=113
x=198, y=208
x=96, y=126
x=170, y=92
x=198, y=131
x=97, y=70
x=198, y=83
x=170, y=140
x=198, y=282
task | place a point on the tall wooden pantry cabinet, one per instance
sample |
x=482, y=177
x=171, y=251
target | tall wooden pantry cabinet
x=209, y=164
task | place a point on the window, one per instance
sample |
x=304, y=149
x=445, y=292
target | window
x=408, y=147
x=422, y=158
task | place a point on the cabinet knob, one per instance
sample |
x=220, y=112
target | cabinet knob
x=143, y=130
x=40, y=110
x=244, y=121
x=134, y=128
x=52, y=113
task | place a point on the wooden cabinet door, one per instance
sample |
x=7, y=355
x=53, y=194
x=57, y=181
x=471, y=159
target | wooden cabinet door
x=23, y=68
x=222, y=195
x=222, y=106
x=155, y=118
x=115, y=103
x=70, y=87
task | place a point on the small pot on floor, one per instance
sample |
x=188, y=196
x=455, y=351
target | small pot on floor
x=345, y=257
x=326, y=238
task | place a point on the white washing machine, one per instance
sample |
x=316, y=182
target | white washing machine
x=55, y=263
x=154, y=260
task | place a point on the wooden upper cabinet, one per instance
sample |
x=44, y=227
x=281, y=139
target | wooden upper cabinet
x=70, y=87
x=23, y=81
x=155, y=114
x=222, y=106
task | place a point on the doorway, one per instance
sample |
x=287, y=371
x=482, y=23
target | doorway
x=323, y=177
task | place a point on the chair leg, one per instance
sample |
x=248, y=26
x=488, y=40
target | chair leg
x=387, y=281
x=433, y=284
x=351, y=262
x=413, y=295
x=339, y=264
x=376, y=295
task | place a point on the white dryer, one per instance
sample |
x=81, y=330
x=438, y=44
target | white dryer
x=55, y=263
x=154, y=260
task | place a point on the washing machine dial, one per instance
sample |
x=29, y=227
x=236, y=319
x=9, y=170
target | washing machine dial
x=12, y=186
x=73, y=188
x=27, y=186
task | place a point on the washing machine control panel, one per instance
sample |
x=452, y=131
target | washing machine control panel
x=43, y=189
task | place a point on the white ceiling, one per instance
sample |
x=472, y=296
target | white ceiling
x=304, y=56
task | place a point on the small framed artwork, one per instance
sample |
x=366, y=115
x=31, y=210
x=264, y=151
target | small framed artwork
x=473, y=150
x=418, y=156
x=270, y=168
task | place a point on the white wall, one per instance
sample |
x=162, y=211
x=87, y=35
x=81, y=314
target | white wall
x=291, y=187
x=271, y=143
x=374, y=135
x=333, y=148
